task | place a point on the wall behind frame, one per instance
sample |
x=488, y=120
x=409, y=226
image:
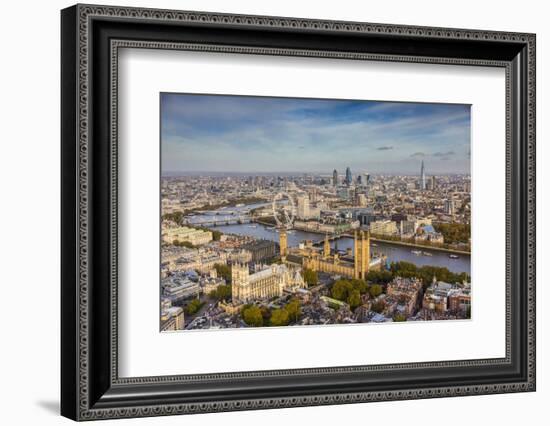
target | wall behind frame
x=29, y=218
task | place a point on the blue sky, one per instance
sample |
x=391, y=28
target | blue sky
x=215, y=133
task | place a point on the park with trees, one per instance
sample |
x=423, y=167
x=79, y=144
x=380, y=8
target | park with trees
x=256, y=316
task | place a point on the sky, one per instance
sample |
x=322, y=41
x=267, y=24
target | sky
x=246, y=134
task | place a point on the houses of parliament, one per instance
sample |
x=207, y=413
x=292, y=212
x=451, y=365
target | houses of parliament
x=272, y=281
x=326, y=261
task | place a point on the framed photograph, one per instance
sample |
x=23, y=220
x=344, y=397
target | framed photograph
x=265, y=212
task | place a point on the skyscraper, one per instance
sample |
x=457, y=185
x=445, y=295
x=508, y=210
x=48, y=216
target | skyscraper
x=334, y=178
x=366, y=183
x=422, y=177
x=349, y=178
x=367, y=178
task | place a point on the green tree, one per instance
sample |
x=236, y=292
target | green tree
x=176, y=217
x=252, y=315
x=293, y=309
x=223, y=292
x=178, y=243
x=375, y=290
x=403, y=267
x=266, y=315
x=426, y=273
x=360, y=285
x=354, y=299
x=399, y=318
x=310, y=277
x=223, y=271
x=454, y=232
x=341, y=289
x=379, y=277
x=194, y=306
x=279, y=317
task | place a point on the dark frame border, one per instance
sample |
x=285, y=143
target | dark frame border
x=91, y=36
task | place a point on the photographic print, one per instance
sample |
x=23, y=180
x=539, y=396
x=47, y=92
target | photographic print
x=298, y=212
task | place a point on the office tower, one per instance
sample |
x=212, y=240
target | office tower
x=334, y=178
x=349, y=178
x=422, y=177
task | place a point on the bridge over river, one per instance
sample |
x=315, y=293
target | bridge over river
x=219, y=220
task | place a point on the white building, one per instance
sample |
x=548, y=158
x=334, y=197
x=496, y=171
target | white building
x=303, y=206
x=383, y=227
x=184, y=234
x=172, y=318
x=178, y=287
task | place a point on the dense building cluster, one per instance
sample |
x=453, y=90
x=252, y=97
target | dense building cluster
x=445, y=300
x=252, y=274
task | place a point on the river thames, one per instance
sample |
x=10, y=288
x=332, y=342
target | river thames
x=393, y=252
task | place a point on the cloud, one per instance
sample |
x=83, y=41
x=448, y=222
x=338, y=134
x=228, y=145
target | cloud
x=240, y=133
x=445, y=155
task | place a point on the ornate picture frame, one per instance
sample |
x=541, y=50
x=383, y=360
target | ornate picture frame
x=91, y=37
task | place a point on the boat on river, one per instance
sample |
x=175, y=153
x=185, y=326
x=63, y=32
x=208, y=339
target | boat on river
x=454, y=256
x=417, y=252
x=425, y=253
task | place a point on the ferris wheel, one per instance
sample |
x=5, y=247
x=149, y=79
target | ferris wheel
x=283, y=209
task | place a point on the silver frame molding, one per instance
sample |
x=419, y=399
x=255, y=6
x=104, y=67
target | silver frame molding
x=91, y=39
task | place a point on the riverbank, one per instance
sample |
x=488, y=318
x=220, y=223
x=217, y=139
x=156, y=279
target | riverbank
x=373, y=239
x=394, y=253
x=264, y=222
x=420, y=246
x=233, y=203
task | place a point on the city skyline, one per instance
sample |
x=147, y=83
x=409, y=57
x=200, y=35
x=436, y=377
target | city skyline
x=241, y=134
x=325, y=174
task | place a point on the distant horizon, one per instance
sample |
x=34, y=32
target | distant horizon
x=208, y=133
x=293, y=173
